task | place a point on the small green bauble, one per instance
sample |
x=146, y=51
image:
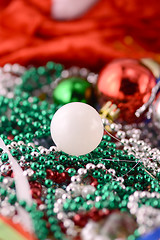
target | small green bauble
x=73, y=89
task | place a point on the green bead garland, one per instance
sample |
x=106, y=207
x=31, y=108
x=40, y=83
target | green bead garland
x=26, y=118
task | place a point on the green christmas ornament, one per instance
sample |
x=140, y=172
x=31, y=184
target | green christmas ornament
x=73, y=89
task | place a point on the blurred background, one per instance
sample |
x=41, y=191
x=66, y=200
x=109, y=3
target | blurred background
x=86, y=33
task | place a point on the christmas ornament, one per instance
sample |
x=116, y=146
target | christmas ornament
x=73, y=89
x=109, y=111
x=147, y=106
x=128, y=83
x=73, y=127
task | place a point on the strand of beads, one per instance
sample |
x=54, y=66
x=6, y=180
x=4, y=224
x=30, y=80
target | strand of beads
x=70, y=191
x=36, y=78
x=43, y=173
x=26, y=118
x=43, y=82
x=145, y=206
x=9, y=206
x=131, y=138
x=10, y=77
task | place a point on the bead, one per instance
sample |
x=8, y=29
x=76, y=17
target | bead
x=101, y=166
x=13, y=144
x=48, y=183
x=44, y=151
x=28, y=172
x=82, y=171
x=87, y=190
x=20, y=143
x=75, y=179
x=60, y=168
x=90, y=166
x=50, y=174
x=73, y=189
x=71, y=172
x=53, y=148
x=4, y=168
x=76, y=128
x=42, y=174
x=59, y=192
x=36, y=193
x=34, y=154
x=68, y=222
x=112, y=172
x=80, y=220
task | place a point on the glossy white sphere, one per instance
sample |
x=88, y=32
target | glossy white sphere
x=76, y=128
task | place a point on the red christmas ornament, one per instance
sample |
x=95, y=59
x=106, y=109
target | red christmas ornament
x=128, y=84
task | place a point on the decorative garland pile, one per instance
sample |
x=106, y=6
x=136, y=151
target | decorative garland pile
x=73, y=196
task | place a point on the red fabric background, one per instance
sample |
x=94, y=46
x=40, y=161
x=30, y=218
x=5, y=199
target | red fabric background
x=111, y=29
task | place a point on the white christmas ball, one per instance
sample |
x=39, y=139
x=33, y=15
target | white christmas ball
x=76, y=128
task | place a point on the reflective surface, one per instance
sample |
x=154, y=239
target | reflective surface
x=76, y=128
x=74, y=89
x=128, y=83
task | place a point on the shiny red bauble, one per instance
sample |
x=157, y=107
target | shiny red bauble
x=128, y=84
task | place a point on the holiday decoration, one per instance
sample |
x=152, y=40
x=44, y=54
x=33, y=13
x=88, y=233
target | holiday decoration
x=94, y=184
x=128, y=83
x=149, y=106
x=109, y=111
x=73, y=127
x=74, y=89
x=79, y=120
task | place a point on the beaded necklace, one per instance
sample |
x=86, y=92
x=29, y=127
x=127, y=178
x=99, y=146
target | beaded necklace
x=69, y=191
